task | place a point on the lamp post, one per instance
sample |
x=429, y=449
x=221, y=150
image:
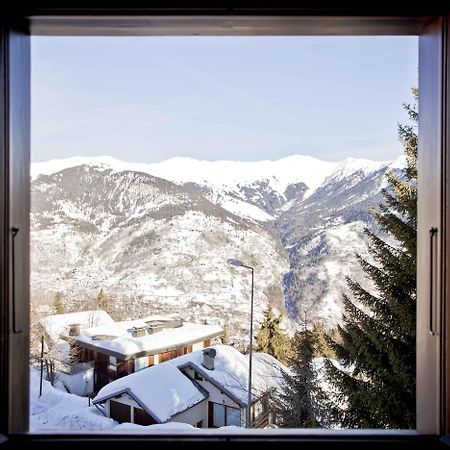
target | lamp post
x=238, y=263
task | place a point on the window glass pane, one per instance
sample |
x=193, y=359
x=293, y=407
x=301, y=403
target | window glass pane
x=258, y=408
x=218, y=415
x=140, y=363
x=233, y=417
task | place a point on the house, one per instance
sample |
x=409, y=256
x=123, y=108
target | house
x=122, y=348
x=77, y=377
x=206, y=389
x=52, y=326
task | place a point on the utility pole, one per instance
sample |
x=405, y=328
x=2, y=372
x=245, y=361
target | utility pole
x=42, y=365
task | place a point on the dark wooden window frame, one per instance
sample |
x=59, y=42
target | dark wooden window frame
x=211, y=406
x=430, y=23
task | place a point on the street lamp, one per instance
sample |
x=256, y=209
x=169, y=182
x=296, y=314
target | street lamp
x=238, y=263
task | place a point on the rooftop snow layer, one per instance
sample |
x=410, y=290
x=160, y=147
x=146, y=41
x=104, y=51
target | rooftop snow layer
x=231, y=371
x=162, y=390
x=165, y=391
x=58, y=324
x=125, y=344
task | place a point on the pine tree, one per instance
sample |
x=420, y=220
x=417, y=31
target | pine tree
x=323, y=348
x=299, y=405
x=102, y=301
x=270, y=339
x=378, y=344
x=58, y=306
x=225, y=338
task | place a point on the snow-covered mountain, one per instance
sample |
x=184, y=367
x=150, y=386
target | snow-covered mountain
x=151, y=245
x=254, y=189
x=156, y=236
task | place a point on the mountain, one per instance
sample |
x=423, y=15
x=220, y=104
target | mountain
x=323, y=233
x=156, y=237
x=253, y=189
x=151, y=245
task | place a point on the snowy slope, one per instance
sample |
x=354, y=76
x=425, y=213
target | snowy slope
x=110, y=224
x=323, y=232
x=153, y=246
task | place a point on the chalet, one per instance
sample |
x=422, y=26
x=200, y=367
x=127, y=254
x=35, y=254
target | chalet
x=77, y=378
x=52, y=326
x=206, y=389
x=122, y=348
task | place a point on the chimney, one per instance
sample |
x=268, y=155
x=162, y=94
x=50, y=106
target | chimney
x=74, y=329
x=138, y=331
x=209, y=355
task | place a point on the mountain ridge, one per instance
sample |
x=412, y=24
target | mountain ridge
x=117, y=221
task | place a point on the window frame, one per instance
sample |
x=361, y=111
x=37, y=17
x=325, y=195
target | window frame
x=213, y=407
x=430, y=23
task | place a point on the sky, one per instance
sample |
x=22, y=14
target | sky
x=147, y=99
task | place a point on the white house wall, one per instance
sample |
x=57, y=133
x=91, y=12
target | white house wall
x=127, y=400
x=216, y=395
x=197, y=346
x=81, y=383
x=194, y=415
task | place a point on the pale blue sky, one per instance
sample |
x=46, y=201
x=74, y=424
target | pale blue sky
x=243, y=98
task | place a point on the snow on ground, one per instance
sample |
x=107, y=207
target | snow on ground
x=58, y=410
x=165, y=427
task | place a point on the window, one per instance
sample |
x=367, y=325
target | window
x=258, y=409
x=233, y=417
x=218, y=415
x=431, y=348
x=197, y=376
x=141, y=363
x=223, y=415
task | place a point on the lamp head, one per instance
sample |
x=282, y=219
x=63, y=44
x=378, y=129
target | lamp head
x=235, y=262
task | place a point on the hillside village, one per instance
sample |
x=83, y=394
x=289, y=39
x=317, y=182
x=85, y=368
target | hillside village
x=155, y=237
x=169, y=342
x=154, y=370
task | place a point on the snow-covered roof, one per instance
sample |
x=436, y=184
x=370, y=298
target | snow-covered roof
x=121, y=343
x=57, y=324
x=162, y=390
x=231, y=372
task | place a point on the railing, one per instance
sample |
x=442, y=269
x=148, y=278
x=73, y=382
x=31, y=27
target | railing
x=262, y=421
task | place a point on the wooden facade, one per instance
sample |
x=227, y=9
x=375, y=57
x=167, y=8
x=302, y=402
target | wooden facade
x=105, y=371
x=260, y=412
x=119, y=411
x=142, y=417
x=124, y=413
